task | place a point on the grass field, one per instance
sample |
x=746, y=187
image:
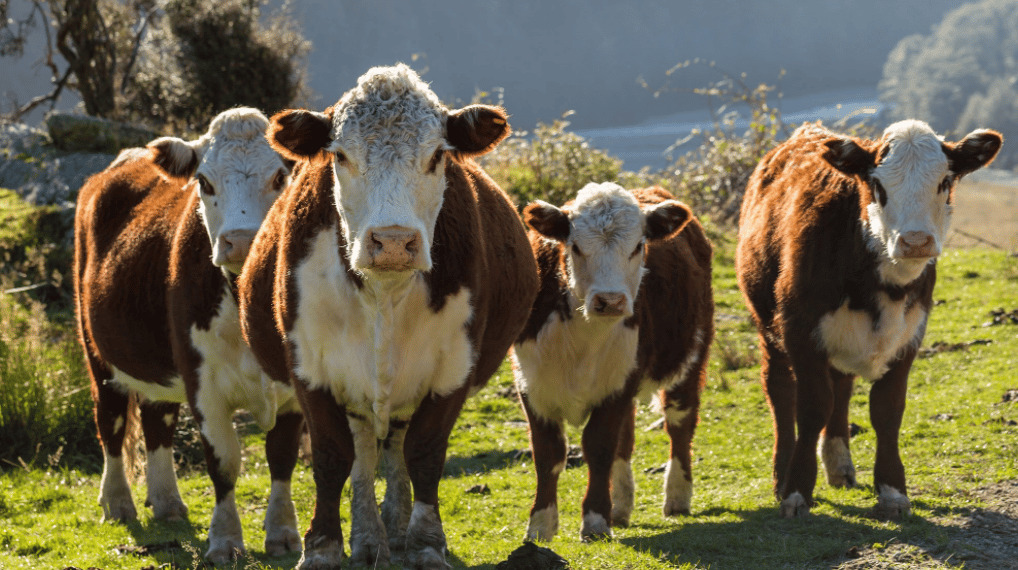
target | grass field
x=959, y=443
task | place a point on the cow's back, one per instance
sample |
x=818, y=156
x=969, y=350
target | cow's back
x=124, y=227
x=675, y=305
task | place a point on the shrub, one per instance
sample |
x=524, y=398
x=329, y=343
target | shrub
x=552, y=165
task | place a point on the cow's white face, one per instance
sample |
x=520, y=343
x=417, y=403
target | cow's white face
x=238, y=177
x=390, y=140
x=389, y=170
x=604, y=233
x=911, y=177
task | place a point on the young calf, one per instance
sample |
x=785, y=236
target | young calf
x=156, y=258
x=837, y=252
x=388, y=282
x=625, y=307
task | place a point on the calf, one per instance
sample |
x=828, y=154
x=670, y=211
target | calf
x=836, y=259
x=625, y=307
x=389, y=281
x=156, y=257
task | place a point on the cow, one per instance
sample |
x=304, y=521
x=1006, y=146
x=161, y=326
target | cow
x=836, y=260
x=389, y=282
x=160, y=236
x=625, y=308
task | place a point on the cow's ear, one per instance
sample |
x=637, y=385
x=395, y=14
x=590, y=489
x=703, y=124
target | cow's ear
x=666, y=219
x=477, y=129
x=176, y=157
x=298, y=134
x=973, y=152
x=547, y=220
x=848, y=157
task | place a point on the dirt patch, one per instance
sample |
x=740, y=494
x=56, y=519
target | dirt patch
x=984, y=538
x=985, y=214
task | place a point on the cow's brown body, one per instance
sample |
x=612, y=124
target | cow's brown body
x=672, y=319
x=299, y=279
x=828, y=301
x=147, y=295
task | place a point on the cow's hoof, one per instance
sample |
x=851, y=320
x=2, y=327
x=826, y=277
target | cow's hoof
x=620, y=520
x=837, y=460
x=794, y=506
x=281, y=541
x=594, y=528
x=842, y=477
x=543, y=524
x=427, y=558
x=172, y=509
x=891, y=505
x=225, y=551
x=326, y=556
x=121, y=511
x=675, y=507
x=369, y=553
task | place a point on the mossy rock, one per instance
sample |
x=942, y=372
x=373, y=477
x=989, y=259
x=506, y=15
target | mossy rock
x=82, y=133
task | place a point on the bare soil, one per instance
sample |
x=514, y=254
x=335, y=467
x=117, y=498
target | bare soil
x=985, y=213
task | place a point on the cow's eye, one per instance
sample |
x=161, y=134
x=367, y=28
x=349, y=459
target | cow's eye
x=576, y=250
x=341, y=158
x=435, y=159
x=205, y=186
x=945, y=185
x=639, y=248
x=279, y=180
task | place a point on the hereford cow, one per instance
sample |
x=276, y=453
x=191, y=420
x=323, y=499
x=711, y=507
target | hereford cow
x=156, y=258
x=389, y=281
x=837, y=260
x=625, y=307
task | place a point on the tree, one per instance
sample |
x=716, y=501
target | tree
x=963, y=75
x=171, y=64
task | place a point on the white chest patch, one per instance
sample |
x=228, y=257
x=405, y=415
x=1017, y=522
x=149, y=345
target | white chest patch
x=379, y=352
x=573, y=365
x=857, y=345
x=230, y=376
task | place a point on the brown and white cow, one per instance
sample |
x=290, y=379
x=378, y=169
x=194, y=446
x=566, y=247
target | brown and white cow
x=625, y=308
x=389, y=281
x=156, y=257
x=836, y=259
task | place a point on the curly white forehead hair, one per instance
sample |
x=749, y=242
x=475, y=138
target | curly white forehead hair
x=389, y=115
x=606, y=209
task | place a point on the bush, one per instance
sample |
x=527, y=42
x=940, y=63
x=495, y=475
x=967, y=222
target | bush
x=552, y=165
x=962, y=76
x=45, y=404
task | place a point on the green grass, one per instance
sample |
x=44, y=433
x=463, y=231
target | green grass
x=955, y=439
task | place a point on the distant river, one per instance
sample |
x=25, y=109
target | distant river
x=644, y=144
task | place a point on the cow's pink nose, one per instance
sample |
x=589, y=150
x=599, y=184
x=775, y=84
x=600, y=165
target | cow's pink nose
x=917, y=244
x=609, y=304
x=236, y=244
x=393, y=248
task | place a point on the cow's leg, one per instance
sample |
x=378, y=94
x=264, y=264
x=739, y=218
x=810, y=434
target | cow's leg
x=815, y=397
x=779, y=387
x=222, y=458
x=111, y=420
x=887, y=406
x=548, y=444
x=158, y=423
x=369, y=545
x=332, y=458
x=623, y=485
x=426, y=445
x=398, y=501
x=681, y=405
x=600, y=440
x=282, y=444
x=834, y=448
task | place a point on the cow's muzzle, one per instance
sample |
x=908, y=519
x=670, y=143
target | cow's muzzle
x=607, y=304
x=394, y=248
x=233, y=247
x=916, y=245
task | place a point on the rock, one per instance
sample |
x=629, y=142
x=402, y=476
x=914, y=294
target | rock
x=533, y=557
x=82, y=133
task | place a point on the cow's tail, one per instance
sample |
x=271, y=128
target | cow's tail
x=133, y=455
